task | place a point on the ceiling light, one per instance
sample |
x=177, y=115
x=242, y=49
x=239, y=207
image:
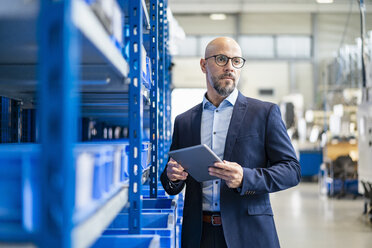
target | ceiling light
x=217, y=17
x=324, y=1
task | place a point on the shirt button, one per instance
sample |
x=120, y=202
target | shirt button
x=215, y=204
x=216, y=110
x=214, y=132
x=216, y=182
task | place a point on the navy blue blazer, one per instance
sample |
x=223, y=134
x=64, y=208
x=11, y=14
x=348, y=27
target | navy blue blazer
x=257, y=140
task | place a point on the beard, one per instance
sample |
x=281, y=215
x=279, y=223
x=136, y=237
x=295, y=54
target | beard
x=223, y=90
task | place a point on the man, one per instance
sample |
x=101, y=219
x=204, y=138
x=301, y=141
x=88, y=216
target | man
x=233, y=211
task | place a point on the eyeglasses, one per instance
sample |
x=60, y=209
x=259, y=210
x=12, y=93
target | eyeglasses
x=222, y=60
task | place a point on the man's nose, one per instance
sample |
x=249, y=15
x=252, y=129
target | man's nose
x=229, y=67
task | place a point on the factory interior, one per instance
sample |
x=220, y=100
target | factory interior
x=95, y=94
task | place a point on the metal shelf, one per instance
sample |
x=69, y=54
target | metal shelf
x=84, y=18
x=101, y=60
x=86, y=233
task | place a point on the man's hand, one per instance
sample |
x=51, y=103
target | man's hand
x=231, y=172
x=175, y=171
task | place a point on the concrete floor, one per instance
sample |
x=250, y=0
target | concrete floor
x=305, y=219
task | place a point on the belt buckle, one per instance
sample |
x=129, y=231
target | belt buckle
x=212, y=219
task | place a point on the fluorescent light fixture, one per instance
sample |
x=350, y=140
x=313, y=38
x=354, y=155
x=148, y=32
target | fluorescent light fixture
x=217, y=17
x=324, y=1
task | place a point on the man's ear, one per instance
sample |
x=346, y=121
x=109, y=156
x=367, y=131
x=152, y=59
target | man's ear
x=202, y=65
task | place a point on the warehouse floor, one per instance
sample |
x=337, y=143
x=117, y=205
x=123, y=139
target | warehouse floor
x=307, y=220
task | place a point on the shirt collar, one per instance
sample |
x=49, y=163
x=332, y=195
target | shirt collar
x=231, y=99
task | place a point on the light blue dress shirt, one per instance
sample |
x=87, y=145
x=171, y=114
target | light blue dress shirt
x=214, y=126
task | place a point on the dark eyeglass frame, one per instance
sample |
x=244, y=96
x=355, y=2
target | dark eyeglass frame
x=227, y=61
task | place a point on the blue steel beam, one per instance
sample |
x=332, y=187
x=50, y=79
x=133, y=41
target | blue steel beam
x=58, y=74
x=28, y=125
x=161, y=85
x=167, y=85
x=154, y=97
x=136, y=115
x=4, y=119
x=18, y=118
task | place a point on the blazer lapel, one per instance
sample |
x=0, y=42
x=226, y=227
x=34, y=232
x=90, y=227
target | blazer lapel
x=196, y=124
x=235, y=124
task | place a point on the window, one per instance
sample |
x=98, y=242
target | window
x=257, y=46
x=294, y=46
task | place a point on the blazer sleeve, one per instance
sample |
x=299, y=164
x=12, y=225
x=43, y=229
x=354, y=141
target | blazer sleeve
x=283, y=169
x=172, y=188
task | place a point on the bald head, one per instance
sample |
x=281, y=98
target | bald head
x=222, y=43
x=223, y=71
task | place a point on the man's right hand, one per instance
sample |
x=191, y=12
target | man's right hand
x=175, y=171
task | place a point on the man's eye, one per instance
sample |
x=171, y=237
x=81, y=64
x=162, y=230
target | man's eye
x=221, y=59
x=237, y=61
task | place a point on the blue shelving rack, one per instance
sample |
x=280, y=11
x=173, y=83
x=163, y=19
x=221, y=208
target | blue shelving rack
x=161, y=85
x=57, y=60
x=136, y=113
x=167, y=91
x=154, y=113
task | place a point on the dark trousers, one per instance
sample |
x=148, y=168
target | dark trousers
x=212, y=236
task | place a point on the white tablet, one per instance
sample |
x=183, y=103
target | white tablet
x=196, y=160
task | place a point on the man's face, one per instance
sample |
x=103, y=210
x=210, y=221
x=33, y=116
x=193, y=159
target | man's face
x=225, y=78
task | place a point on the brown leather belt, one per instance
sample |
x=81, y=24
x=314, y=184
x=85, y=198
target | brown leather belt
x=214, y=219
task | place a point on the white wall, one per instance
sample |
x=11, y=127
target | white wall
x=187, y=73
x=265, y=75
x=276, y=23
x=202, y=24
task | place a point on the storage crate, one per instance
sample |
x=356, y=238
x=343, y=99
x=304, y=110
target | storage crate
x=161, y=224
x=334, y=186
x=102, y=179
x=310, y=161
x=351, y=186
x=337, y=186
x=149, y=220
x=110, y=164
x=157, y=205
x=20, y=191
x=128, y=241
x=122, y=146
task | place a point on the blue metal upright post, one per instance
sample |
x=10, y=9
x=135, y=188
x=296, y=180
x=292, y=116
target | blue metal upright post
x=18, y=118
x=154, y=98
x=136, y=115
x=161, y=84
x=4, y=122
x=28, y=125
x=58, y=74
x=167, y=84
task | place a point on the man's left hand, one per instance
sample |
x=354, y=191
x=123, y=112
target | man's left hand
x=231, y=172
